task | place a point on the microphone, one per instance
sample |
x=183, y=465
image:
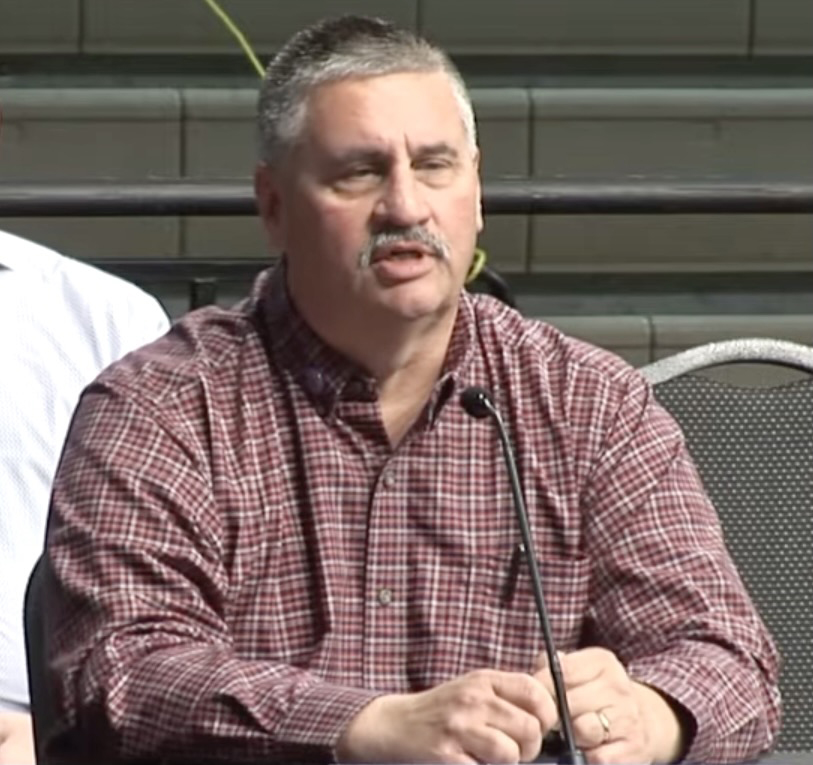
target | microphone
x=478, y=404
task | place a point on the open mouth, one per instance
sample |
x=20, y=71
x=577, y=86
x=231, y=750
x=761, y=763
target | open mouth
x=402, y=262
x=400, y=252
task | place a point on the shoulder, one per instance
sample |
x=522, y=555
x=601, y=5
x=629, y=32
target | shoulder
x=535, y=344
x=112, y=311
x=26, y=258
x=104, y=293
x=549, y=377
x=595, y=405
x=205, y=352
x=111, y=315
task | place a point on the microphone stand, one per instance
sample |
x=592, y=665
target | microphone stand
x=478, y=403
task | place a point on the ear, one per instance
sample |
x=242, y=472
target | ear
x=479, y=198
x=269, y=203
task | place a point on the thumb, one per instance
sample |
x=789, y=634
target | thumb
x=541, y=662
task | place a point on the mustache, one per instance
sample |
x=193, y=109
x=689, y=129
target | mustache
x=434, y=243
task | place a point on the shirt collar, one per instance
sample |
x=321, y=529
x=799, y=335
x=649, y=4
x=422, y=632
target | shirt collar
x=18, y=254
x=324, y=374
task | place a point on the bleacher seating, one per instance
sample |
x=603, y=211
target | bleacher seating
x=619, y=27
x=577, y=89
x=581, y=90
x=579, y=134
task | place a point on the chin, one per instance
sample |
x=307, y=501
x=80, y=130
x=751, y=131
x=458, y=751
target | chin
x=415, y=308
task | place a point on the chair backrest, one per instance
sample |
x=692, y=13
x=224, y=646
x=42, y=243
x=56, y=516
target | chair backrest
x=33, y=617
x=753, y=446
x=43, y=714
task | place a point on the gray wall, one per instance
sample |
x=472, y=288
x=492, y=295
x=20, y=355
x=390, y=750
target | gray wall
x=569, y=89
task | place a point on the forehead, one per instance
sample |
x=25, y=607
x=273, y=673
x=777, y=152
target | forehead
x=419, y=107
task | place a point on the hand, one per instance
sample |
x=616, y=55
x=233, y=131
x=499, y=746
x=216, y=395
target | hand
x=483, y=716
x=615, y=719
x=16, y=739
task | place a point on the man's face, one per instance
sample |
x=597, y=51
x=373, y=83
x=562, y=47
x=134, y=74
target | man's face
x=378, y=205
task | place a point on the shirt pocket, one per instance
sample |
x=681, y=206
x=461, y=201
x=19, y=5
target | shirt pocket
x=505, y=629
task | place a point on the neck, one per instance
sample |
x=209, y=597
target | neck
x=410, y=354
x=405, y=384
x=404, y=357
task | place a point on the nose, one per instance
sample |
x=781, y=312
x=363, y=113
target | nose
x=402, y=202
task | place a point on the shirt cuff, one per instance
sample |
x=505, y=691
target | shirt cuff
x=701, y=694
x=322, y=714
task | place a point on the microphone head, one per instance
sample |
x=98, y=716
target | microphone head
x=477, y=402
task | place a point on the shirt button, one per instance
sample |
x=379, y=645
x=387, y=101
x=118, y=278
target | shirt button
x=385, y=596
x=313, y=381
x=389, y=480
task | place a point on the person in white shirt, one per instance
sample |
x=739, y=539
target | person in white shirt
x=61, y=323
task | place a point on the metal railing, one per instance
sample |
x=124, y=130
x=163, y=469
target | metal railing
x=500, y=197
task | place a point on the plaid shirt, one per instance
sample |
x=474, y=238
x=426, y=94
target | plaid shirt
x=243, y=561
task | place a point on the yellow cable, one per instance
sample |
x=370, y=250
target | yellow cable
x=232, y=27
x=477, y=265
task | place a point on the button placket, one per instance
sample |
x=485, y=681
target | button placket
x=383, y=560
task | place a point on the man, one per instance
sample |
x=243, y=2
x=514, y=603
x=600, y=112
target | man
x=277, y=536
x=61, y=323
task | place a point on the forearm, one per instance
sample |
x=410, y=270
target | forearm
x=734, y=726
x=202, y=703
x=669, y=603
x=482, y=716
x=161, y=647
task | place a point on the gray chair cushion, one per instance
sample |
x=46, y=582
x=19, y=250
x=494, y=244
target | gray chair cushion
x=754, y=450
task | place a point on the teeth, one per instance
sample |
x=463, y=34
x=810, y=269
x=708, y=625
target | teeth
x=398, y=255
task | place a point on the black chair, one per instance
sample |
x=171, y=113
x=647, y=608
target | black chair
x=753, y=446
x=42, y=712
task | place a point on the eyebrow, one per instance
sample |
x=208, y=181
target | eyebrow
x=378, y=156
x=437, y=149
x=360, y=155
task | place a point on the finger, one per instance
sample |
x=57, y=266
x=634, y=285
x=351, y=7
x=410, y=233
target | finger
x=492, y=745
x=520, y=726
x=455, y=758
x=577, y=669
x=541, y=662
x=610, y=689
x=595, y=695
x=615, y=752
x=527, y=693
x=589, y=731
x=582, y=666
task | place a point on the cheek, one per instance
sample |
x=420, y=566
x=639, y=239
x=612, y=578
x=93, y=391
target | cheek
x=464, y=220
x=330, y=228
x=345, y=225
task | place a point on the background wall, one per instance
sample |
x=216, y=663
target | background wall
x=566, y=89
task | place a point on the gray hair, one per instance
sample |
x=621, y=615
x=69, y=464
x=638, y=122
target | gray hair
x=338, y=49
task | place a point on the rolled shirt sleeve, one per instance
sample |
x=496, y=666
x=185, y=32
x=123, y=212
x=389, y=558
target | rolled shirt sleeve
x=668, y=599
x=144, y=658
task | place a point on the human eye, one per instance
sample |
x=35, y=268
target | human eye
x=360, y=171
x=358, y=177
x=435, y=169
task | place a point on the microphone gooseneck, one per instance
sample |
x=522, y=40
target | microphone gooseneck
x=478, y=403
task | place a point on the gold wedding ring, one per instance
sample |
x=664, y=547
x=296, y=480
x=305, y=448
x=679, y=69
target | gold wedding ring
x=605, y=725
